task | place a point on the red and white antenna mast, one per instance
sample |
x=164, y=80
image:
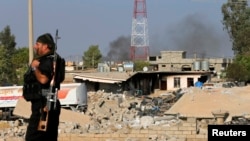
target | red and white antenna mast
x=139, y=38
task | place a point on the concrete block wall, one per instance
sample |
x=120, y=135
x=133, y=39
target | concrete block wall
x=178, y=59
x=183, y=131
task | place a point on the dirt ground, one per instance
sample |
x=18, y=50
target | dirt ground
x=197, y=102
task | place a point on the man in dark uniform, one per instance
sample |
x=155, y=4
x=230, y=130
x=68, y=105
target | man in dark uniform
x=37, y=78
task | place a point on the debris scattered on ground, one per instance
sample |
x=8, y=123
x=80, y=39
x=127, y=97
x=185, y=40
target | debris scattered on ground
x=111, y=113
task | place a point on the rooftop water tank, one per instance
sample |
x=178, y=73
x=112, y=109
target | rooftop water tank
x=100, y=69
x=128, y=66
x=120, y=69
x=205, y=65
x=197, y=65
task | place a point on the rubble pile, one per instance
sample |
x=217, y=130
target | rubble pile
x=120, y=113
x=112, y=113
x=241, y=120
x=16, y=128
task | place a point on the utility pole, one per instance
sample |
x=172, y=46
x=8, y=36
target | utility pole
x=30, y=13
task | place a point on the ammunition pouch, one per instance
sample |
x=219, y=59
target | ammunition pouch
x=31, y=87
x=29, y=76
x=32, y=91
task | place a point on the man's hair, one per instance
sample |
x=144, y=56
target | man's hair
x=47, y=39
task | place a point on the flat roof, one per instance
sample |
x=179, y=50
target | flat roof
x=196, y=102
x=119, y=77
x=105, y=77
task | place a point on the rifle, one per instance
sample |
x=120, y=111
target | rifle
x=51, y=94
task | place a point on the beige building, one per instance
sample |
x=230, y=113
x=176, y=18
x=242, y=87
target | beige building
x=171, y=70
x=177, y=61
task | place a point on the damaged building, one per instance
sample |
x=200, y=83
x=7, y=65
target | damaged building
x=182, y=115
x=156, y=104
x=143, y=83
x=178, y=61
x=169, y=71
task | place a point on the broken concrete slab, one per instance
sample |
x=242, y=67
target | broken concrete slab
x=23, y=110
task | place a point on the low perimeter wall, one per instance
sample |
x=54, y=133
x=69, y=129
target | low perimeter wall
x=189, y=129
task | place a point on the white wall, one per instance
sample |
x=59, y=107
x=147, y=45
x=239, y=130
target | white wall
x=183, y=81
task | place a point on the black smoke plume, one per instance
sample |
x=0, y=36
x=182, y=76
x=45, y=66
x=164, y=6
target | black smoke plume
x=119, y=49
x=195, y=35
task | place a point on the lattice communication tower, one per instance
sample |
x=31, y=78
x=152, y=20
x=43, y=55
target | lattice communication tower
x=139, y=49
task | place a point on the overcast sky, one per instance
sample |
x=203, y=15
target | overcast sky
x=189, y=25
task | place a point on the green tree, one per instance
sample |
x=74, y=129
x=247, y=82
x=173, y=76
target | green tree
x=92, y=56
x=236, y=20
x=3, y=65
x=7, y=69
x=21, y=57
x=239, y=70
x=139, y=65
x=20, y=60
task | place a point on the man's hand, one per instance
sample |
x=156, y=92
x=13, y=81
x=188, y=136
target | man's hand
x=35, y=63
x=39, y=76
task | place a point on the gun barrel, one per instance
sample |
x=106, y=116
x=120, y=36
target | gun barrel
x=48, y=104
x=55, y=98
